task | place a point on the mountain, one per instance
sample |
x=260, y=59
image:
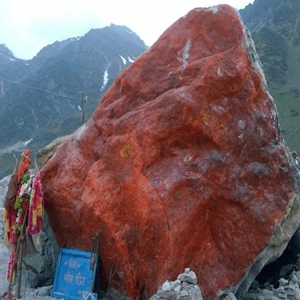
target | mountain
x=275, y=29
x=43, y=98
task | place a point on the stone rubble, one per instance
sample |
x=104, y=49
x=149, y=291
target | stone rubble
x=287, y=289
x=184, y=287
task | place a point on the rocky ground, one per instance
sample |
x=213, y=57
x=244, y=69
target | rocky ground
x=28, y=294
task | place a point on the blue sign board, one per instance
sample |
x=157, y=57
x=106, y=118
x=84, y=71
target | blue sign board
x=74, y=274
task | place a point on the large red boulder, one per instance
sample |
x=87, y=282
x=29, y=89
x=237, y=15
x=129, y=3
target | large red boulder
x=181, y=165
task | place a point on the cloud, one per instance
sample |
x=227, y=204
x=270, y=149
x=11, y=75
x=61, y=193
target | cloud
x=32, y=24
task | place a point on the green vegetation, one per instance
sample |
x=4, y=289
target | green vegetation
x=289, y=118
x=275, y=28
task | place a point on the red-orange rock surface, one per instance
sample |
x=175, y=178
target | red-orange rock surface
x=181, y=165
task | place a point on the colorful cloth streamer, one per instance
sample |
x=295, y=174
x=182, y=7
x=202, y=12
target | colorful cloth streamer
x=24, y=211
x=36, y=207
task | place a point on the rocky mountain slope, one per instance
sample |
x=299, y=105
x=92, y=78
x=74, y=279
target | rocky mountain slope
x=43, y=98
x=275, y=28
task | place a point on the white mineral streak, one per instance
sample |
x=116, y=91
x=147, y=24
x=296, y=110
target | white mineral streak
x=184, y=54
x=214, y=9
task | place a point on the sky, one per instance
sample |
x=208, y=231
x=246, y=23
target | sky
x=28, y=26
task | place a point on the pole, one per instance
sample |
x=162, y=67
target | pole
x=93, y=266
x=15, y=263
x=82, y=108
x=19, y=255
x=20, y=262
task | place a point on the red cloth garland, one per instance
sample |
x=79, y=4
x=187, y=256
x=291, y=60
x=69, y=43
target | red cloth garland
x=24, y=164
